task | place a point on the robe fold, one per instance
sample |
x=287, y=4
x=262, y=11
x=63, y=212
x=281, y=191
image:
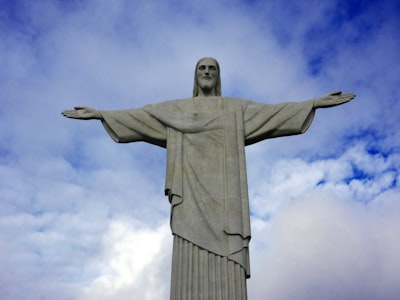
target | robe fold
x=206, y=180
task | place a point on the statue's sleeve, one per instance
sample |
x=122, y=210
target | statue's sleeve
x=134, y=125
x=263, y=121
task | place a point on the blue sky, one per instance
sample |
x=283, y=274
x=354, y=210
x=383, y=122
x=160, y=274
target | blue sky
x=82, y=217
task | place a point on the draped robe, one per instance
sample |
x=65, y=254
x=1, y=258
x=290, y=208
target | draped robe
x=206, y=179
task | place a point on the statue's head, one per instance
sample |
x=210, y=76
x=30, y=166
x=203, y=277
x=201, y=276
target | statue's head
x=207, y=77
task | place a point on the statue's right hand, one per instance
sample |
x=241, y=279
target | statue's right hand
x=82, y=113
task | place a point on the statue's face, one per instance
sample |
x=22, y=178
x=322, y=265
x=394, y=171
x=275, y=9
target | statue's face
x=207, y=74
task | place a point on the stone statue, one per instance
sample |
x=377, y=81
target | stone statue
x=206, y=184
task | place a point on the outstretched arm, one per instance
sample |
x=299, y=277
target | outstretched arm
x=124, y=126
x=82, y=113
x=333, y=99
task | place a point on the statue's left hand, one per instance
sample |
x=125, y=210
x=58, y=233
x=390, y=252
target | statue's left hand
x=333, y=99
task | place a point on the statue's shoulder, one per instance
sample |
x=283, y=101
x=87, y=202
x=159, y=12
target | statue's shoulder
x=188, y=104
x=235, y=102
x=169, y=104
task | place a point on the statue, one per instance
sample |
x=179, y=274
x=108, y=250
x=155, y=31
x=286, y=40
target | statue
x=206, y=184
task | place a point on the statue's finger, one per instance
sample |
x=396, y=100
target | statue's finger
x=349, y=96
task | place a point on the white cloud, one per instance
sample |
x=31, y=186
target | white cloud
x=133, y=256
x=355, y=174
x=322, y=247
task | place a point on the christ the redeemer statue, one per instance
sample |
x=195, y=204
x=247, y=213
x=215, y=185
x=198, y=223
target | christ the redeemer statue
x=206, y=183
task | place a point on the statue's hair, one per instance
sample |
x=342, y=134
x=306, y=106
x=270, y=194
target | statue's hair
x=218, y=83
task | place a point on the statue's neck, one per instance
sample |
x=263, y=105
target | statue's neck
x=207, y=92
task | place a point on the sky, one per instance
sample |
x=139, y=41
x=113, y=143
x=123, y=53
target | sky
x=82, y=217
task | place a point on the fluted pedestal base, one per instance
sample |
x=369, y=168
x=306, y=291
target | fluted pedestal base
x=198, y=274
